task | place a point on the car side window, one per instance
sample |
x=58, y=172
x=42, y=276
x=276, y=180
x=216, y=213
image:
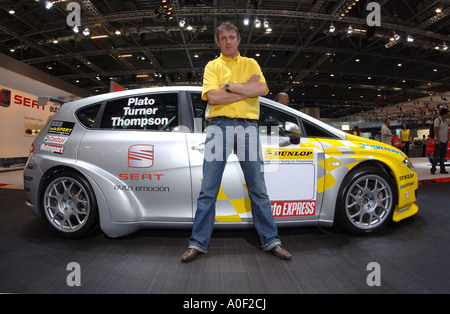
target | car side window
x=199, y=106
x=87, y=115
x=271, y=118
x=157, y=112
x=313, y=130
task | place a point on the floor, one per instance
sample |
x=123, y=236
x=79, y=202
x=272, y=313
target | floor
x=412, y=256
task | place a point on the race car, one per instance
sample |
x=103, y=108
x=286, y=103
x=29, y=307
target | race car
x=131, y=160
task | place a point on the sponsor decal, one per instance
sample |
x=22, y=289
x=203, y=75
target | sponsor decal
x=52, y=149
x=140, y=177
x=293, y=208
x=406, y=185
x=405, y=177
x=380, y=147
x=286, y=155
x=61, y=127
x=141, y=156
x=55, y=139
x=142, y=188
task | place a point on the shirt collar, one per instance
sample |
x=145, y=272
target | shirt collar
x=226, y=59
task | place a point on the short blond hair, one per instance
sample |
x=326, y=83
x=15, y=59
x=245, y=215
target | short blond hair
x=227, y=26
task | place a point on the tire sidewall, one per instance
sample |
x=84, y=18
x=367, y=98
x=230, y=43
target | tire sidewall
x=341, y=216
x=92, y=220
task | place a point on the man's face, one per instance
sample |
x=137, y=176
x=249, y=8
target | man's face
x=228, y=43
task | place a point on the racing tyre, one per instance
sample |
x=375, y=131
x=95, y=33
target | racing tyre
x=68, y=205
x=366, y=200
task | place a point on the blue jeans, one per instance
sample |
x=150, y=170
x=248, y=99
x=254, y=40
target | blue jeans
x=225, y=135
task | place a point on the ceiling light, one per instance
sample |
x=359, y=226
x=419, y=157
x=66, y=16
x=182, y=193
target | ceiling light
x=182, y=23
x=246, y=20
x=266, y=24
x=48, y=4
x=438, y=10
x=257, y=23
x=55, y=41
x=269, y=30
x=125, y=56
x=117, y=32
x=75, y=29
x=12, y=12
x=444, y=47
x=332, y=28
x=410, y=39
x=189, y=28
x=99, y=36
x=86, y=32
x=396, y=36
x=349, y=30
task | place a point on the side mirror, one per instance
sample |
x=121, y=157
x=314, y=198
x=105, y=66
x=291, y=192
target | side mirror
x=292, y=131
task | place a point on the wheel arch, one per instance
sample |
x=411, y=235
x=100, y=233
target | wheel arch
x=367, y=166
x=383, y=167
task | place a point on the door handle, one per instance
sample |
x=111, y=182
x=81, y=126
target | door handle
x=200, y=147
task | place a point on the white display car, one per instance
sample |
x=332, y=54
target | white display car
x=131, y=160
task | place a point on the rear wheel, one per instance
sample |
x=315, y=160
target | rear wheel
x=68, y=204
x=366, y=200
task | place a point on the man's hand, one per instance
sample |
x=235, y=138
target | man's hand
x=254, y=78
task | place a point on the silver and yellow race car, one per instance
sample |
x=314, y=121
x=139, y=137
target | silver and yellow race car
x=130, y=160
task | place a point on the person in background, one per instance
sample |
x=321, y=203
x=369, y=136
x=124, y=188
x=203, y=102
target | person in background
x=282, y=98
x=424, y=146
x=356, y=130
x=386, y=134
x=440, y=141
x=405, y=135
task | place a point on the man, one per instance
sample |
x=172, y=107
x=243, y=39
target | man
x=386, y=134
x=282, y=98
x=232, y=85
x=440, y=141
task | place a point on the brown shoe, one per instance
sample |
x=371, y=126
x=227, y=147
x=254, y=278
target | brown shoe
x=189, y=255
x=280, y=252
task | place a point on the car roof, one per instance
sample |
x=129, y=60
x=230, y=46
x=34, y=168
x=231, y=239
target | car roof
x=76, y=104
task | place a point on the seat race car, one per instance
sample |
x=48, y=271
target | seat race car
x=131, y=160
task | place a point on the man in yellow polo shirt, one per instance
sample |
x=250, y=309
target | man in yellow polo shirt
x=232, y=85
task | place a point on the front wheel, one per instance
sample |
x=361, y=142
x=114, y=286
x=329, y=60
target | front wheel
x=68, y=204
x=366, y=200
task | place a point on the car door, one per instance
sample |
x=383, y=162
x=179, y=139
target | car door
x=291, y=165
x=138, y=156
x=290, y=170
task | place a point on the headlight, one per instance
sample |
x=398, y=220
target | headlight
x=409, y=164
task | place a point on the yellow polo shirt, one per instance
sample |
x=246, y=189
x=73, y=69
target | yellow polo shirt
x=238, y=70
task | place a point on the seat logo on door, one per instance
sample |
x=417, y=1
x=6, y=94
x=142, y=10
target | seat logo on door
x=140, y=156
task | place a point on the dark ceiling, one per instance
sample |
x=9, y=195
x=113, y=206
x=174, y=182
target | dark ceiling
x=339, y=72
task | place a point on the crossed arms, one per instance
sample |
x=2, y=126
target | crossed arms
x=238, y=91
